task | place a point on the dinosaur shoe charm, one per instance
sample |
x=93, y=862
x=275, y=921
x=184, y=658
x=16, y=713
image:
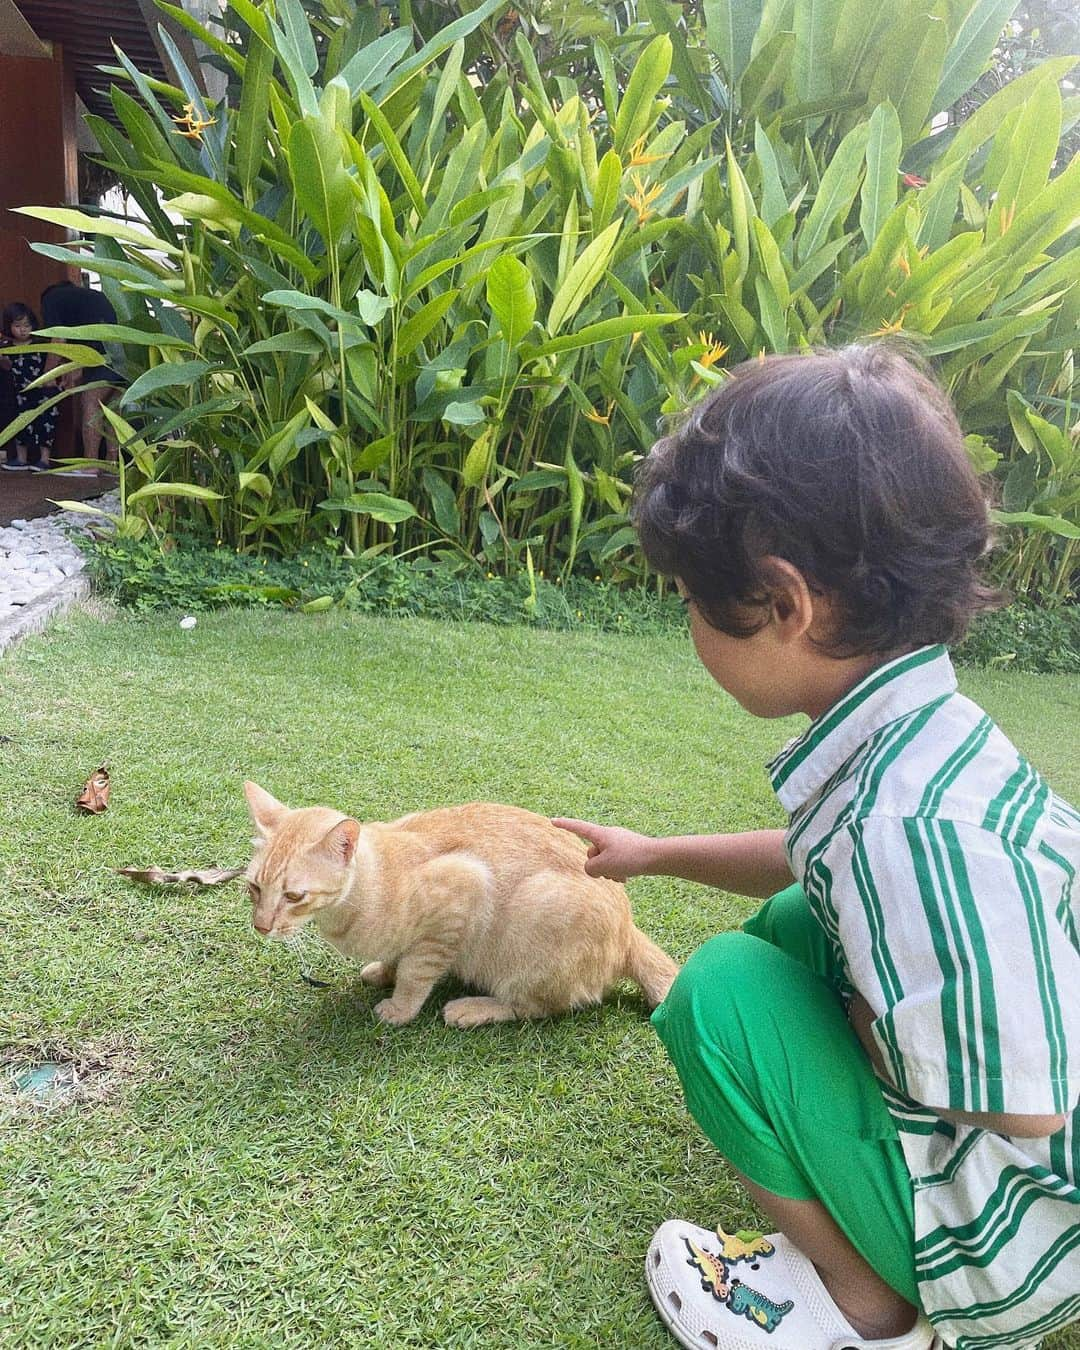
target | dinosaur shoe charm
x=743, y=1291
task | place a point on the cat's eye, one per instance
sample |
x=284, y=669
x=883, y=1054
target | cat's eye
x=294, y=896
x=253, y=890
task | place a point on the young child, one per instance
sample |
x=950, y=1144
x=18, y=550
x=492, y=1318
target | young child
x=33, y=445
x=888, y=1053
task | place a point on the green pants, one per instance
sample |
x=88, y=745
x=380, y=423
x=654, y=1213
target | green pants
x=778, y=1081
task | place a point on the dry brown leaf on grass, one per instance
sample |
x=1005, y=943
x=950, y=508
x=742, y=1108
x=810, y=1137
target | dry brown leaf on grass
x=154, y=876
x=94, y=797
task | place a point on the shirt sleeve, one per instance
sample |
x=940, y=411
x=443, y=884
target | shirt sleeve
x=959, y=940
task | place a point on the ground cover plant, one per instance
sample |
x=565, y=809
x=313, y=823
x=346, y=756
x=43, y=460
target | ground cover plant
x=265, y=1164
x=194, y=577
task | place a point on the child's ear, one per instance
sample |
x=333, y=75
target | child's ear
x=266, y=811
x=791, y=602
x=339, y=843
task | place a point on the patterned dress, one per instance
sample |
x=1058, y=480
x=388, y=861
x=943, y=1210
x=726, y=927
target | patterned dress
x=41, y=432
x=942, y=868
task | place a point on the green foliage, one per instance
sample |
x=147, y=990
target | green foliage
x=194, y=578
x=1026, y=637
x=433, y=285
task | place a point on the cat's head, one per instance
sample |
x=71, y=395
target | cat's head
x=300, y=864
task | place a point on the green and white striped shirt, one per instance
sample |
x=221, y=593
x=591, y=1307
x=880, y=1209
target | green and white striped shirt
x=941, y=866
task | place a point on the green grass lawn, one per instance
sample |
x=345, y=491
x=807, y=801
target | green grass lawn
x=268, y=1166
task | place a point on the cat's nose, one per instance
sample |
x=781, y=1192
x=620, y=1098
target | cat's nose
x=262, y=928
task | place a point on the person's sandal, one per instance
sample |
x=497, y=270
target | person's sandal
x=721, y=1291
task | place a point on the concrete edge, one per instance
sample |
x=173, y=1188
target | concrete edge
x=33, y=617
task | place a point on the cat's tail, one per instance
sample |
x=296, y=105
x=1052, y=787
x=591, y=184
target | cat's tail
x=650, y=968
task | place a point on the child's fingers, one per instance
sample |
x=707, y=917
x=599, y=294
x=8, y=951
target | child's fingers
x=584, y=828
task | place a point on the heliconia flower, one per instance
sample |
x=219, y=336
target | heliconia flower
x=714, y=351
x=912, y=180
x=602, y=419
x=642, y=198
x=191, y=125
x=892, y=325
x=638, y=155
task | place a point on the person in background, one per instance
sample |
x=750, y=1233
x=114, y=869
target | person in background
x=31, y=448
x=66, y=305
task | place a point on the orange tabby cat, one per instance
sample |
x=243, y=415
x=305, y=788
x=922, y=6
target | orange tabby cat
x=492, y=894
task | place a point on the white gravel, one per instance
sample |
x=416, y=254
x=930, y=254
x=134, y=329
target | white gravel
x=40, y=568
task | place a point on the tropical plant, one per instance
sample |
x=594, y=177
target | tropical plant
x=379, y=288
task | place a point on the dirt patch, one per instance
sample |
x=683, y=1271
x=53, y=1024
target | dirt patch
x=52, y=1075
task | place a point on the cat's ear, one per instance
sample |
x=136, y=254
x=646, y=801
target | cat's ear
x=266, y=811
x=340, y=842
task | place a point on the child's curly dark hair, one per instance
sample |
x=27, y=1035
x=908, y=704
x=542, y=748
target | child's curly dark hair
x=850, y=465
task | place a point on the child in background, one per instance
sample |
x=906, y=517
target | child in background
x=33, y=445
x=888, y=1053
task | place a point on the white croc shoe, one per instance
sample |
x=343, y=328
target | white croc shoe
x=717, y=1291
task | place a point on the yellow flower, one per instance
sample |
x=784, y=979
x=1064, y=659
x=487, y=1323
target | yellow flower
x=642, y=198
x=903, y=264
x=604, y=419
x=891, y=325
x=638, y=155
x=714, y=351
x=191, y=125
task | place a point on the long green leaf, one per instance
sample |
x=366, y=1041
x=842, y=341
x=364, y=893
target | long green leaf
x=414, y=330
x=397, y=155
x=116, y=332
x=937, y=204
x=604, y=331
x=254, y=109
x=809, y=271
x=987, y=118
x=730, y=26
x=442, y=41
x=839, y=183
x=908, y=70
x=168, y=375
x=774, y=201
x=742, y=211
x=371, y=308
x=294, y=22
x=878, y=196
x=638, y=109
x=378, y=505
x=815, y=28
x=191, y=490
x=443, y=502
x=373, y=62
x=971, y=49
x=1043, y=524
x=581, y=279
x=111, y=229
x=1031, y=153
x=512, y=298
x=319, y=178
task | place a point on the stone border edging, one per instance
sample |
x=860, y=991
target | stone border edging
x=32, y=617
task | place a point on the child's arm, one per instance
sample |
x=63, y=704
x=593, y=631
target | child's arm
x=752, y=864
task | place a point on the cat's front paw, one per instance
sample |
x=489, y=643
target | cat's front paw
x=393, y=1014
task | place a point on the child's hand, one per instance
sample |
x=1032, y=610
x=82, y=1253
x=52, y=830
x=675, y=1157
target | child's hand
x=613, y=852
